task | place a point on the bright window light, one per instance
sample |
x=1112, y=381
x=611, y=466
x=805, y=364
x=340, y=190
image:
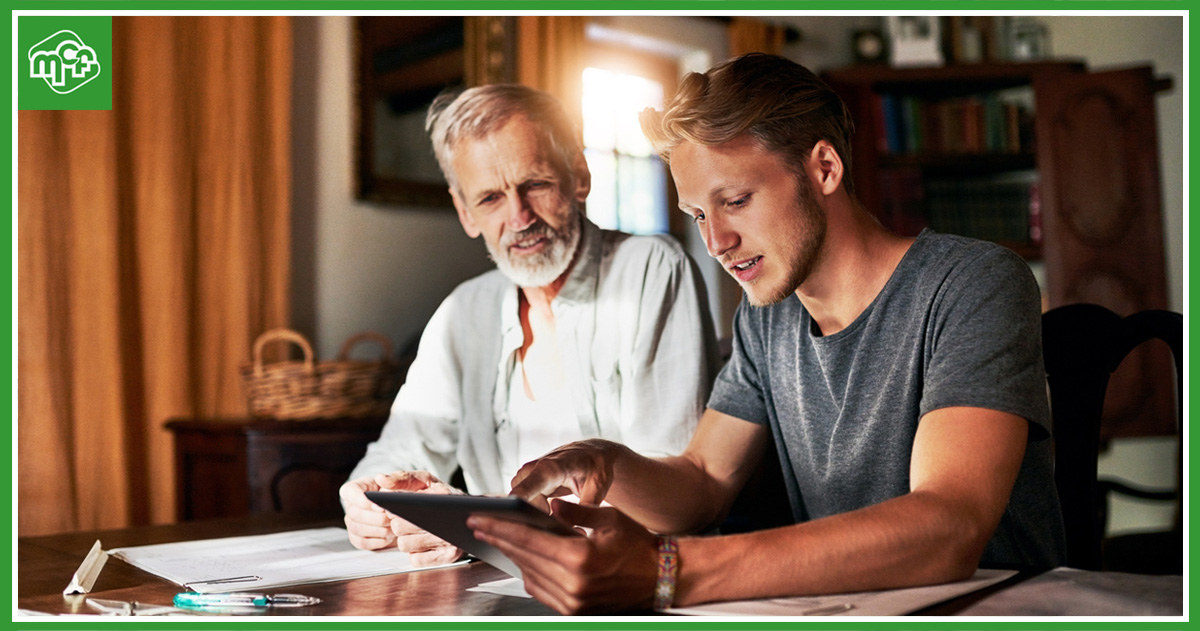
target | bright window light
x=629, y=182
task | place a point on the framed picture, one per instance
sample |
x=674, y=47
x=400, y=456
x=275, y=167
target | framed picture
x=1028, y=40
x=403, y=62
x=916, y=40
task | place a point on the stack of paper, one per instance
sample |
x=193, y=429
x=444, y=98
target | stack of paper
x=888, y=602
x=261, y=561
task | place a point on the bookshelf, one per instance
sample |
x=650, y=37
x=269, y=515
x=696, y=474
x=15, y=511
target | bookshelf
x=951, y=148
x=1052, y=159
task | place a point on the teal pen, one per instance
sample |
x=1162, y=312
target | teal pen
x=241, y=599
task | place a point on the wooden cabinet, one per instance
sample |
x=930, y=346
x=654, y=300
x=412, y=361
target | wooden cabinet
x=240, y=466
x=1084, y=147
x=1101, y=206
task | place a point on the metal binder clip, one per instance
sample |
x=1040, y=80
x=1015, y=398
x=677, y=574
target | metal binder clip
x=222, y=581
x=130, y=608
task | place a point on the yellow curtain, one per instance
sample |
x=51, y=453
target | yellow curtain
x=153, y=246
x=550, y=57
x=748, y=35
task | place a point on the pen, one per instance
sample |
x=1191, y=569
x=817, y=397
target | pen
x=243, y=599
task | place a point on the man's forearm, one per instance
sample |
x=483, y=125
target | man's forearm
x=964, y=464
x=911, y=540
x=690, y=492
x=666, y=495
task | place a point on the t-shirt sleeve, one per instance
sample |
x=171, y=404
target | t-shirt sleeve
x=985, y=348
x=738, y=389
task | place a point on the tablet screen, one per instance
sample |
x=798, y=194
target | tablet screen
x=446, y=517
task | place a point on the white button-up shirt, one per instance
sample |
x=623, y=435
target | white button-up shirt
x=637, y=343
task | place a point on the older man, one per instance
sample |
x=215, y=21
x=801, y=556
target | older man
x=580, y=333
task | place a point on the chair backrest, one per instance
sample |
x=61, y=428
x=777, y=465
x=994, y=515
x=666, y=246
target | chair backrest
x=1083, y=344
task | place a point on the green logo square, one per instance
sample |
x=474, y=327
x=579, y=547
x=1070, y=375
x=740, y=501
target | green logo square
x=64, y=62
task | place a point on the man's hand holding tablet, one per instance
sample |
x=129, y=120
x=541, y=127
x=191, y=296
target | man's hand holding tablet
x=446, y=517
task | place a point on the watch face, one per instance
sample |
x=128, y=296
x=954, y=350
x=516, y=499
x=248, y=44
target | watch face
x=868, y=46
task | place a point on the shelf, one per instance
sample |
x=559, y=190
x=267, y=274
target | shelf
x=1027, y=251
x=974, y=163
x=952, y=79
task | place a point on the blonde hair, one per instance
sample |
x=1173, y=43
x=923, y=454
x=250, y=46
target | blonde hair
x=782, y=105
x=476, y=112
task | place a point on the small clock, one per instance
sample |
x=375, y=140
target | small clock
x=869, y=46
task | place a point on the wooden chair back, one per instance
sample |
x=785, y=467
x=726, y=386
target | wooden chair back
x=1082, y=345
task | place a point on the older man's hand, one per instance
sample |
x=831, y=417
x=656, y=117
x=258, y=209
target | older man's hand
x=424, y=549
x=370, y=527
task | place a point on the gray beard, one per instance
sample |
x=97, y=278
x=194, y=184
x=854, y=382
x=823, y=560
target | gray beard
x=545, y=267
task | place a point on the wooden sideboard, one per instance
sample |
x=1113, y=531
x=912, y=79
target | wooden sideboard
x=228, y=467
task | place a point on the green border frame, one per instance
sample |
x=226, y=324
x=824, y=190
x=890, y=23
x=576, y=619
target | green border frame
x=609, y=6
x=616, y=622
x=534, y=6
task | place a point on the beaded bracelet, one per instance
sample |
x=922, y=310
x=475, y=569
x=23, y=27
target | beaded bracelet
x=668, y=571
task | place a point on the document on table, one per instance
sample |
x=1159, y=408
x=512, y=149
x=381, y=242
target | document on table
x=261, y=561
x=889, y=602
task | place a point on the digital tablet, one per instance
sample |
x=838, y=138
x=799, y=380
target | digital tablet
x=446, y=517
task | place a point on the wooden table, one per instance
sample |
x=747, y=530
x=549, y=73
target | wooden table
x=45, y=565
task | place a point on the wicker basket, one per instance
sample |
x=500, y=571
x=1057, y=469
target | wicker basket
x=297, y=390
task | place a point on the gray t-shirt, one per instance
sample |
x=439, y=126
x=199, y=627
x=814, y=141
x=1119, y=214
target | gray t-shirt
x=957, y=324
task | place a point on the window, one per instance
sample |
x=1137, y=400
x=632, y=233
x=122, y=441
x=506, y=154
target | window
x=629, y=182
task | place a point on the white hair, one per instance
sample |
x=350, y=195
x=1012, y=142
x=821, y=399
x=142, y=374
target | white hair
x=476, y=112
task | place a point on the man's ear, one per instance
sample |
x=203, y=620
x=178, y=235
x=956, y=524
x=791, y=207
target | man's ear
x=464, y=217
x=825, y=168
x=583, y=178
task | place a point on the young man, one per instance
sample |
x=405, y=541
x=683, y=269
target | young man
x=901, y=379
x=580, y=333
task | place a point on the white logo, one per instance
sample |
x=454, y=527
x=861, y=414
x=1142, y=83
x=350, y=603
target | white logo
x=63, y=61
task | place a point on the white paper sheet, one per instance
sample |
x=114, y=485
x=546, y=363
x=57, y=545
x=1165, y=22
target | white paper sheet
x=894, y=602
x=891, y=602
x=511, y=586
x=93, y=618
x=261, y=561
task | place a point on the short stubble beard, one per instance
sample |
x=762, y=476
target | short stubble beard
x=811, y=240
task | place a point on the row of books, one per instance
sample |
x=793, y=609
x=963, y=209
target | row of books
x=992, y=210
x=908, y=125
x=1004, y=209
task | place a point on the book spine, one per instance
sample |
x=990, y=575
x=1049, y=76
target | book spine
x=879, y=120
x=912, y=130
x=893, y=124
